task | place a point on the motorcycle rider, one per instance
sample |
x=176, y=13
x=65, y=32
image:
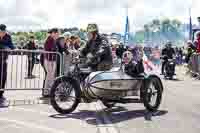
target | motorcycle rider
x=97, y=50
x=168, y=53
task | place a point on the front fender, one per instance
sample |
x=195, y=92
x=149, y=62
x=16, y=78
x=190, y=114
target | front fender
x=65, y=77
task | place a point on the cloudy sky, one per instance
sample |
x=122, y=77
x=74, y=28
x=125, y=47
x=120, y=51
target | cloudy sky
x=109, y=14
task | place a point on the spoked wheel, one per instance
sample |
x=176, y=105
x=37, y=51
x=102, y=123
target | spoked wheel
x=152, y=95
x=65, y=95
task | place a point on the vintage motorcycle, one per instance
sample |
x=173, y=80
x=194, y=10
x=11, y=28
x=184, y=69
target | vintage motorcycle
x=169, y=68
x=110, y=87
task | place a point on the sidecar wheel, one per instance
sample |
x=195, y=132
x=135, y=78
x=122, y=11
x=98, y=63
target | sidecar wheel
x=108, y=104
x=60, y=92
x=153, y=87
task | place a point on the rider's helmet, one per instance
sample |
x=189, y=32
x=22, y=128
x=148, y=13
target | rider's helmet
x=2, y=27
x=168, y=44
x=92, y=28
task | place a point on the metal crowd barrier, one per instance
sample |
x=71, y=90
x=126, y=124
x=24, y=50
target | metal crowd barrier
x=16, y=65
x=195, y=65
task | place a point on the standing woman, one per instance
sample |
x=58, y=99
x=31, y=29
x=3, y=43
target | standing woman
x=77, y=44
x=50, y=59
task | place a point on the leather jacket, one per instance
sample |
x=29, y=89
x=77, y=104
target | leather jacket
x=100, y=50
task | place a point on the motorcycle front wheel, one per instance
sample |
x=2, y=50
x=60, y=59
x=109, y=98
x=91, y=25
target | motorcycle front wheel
x=65, y=95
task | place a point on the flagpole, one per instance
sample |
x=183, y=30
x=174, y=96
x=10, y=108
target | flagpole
x=126, y=11
x=126, y=26
x=190, y=25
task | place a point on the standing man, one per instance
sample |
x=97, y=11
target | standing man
x=50, y=59
x=5, y=43
x=31, y=56
x=97, y=50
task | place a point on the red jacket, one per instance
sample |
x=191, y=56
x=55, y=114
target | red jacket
x=198, y=45
x=50, y=46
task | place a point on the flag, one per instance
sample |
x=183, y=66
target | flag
x=127, y=28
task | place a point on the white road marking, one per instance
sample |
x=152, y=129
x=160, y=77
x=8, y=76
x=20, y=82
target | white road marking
x=9, y=126
x=109, y=127
x=32, y=125
x=100, y=127
x=31, y=110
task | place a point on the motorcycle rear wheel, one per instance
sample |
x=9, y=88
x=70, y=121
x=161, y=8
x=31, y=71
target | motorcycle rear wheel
x=153, y=83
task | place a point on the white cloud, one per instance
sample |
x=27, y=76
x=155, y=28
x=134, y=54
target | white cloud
x=109, y=14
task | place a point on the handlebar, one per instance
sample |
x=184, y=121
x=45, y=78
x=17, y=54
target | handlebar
x=170, y=60
x=78, y=60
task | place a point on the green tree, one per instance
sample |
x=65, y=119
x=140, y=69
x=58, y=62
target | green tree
x=156, y=25
x=40, y=35
x=139, y=36
x=146, y=31
x=176, y=23
x=160, y=30
x=165, y=24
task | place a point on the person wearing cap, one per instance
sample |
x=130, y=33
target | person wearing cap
x=97, y=50
x=5, y=43
x=31, y=56
x=50, y=60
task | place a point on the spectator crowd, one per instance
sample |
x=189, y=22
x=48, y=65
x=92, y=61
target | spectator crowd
x=68, y=45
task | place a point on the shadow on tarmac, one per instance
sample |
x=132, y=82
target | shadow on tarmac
x=115, y=115
x=174, y=79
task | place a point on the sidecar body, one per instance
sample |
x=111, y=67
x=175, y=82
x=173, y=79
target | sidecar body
x=112, y=84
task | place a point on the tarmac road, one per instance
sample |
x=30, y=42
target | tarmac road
x=179, y=113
